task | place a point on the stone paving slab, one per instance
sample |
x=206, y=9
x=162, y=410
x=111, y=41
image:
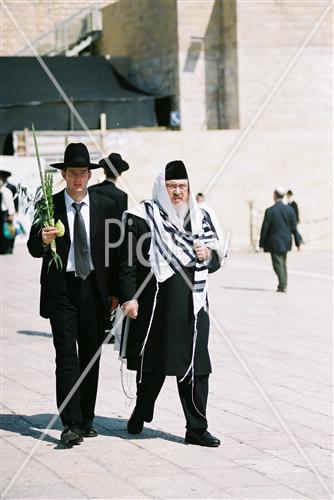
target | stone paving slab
x=272, y=373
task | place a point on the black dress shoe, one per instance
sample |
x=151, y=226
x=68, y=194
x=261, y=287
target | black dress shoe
x=202, y=438
x=135, y=423
x=279, y=289
x=88, y=430
x=71, y=434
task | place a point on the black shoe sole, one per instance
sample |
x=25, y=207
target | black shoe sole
x=207, y=445
x=90, y=435
x=72, y=440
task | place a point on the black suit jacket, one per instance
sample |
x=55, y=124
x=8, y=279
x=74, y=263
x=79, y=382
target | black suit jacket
x=119, y=197
x=52, y=279
x=294, y=206
x=278, y=225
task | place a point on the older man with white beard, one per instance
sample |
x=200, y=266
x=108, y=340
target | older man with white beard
x=169, y=248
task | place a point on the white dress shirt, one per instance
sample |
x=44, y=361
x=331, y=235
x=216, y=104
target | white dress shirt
x=70, y=211
x=7, y=203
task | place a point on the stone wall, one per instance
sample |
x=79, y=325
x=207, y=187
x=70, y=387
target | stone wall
x=141, y=38
x=271, y=35
x=207, y=64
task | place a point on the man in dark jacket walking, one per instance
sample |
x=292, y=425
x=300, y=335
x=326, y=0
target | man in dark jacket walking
x=278, y=224
x=113, y=167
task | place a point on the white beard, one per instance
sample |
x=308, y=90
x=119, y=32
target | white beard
x=182, y=210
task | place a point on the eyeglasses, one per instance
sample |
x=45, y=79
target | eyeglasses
x=172, y=187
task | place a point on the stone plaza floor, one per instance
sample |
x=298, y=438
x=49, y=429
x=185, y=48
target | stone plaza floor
x=270, y=397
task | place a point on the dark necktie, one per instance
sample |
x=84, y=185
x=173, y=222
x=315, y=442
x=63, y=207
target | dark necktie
x=81, y=250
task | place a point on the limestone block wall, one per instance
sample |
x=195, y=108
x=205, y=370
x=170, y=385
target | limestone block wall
x=193, y=18
x=35, y=18
x=271, y=35
x=141, y=37
x=207, y=64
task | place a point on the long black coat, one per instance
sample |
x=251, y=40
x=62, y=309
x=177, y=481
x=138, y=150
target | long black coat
x=51, y=280
x=119, y=197
x=170, y=342
x=278, y=225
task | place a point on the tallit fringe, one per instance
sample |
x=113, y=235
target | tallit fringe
x=142, y=352
x=192, y=363
x=128, y=396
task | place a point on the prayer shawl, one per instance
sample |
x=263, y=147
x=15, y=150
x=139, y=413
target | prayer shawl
x=172, y=247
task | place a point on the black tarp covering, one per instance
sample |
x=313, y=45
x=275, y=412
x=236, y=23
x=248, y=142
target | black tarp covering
x=28, y=95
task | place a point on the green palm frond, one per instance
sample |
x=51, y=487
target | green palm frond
x=44, y=209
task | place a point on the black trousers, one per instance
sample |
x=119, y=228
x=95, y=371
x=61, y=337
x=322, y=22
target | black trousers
x=77, y=323
x=279, y=266
x=193, y=400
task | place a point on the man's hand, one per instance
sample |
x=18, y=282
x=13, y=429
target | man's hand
x=131, y=309
x=299, y=248
x=202, y=252
x=113, y=302
x=49, y=234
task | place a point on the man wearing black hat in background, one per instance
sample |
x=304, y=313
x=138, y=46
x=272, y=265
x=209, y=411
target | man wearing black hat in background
x=76, y=299
x=8, y=207
x=113, y=167
x=4, y=174
x=170, y=246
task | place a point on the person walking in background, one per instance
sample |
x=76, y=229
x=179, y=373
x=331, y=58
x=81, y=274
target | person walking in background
x=4, y=174
x=278, y=225
x=113, y=167
x=293, y=204
x=77, y=297
x=7, y=212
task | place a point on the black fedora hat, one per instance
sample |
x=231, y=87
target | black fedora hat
x=116, y=161
x=4, y=174
x=76, y=155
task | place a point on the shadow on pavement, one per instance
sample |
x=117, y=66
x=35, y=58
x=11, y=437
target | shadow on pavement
x=29, y=425
x=117, y=427
x=34, y=426
x=34, y=334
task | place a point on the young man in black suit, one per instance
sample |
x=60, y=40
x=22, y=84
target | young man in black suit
x=76, y=298
x=278, y=224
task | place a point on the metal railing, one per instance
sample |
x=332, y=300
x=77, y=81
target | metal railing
x=86, y=24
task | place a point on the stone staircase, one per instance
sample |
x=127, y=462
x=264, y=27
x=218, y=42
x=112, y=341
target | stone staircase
x=69, y=37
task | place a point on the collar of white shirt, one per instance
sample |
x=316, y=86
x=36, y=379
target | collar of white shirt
x=69, y=200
